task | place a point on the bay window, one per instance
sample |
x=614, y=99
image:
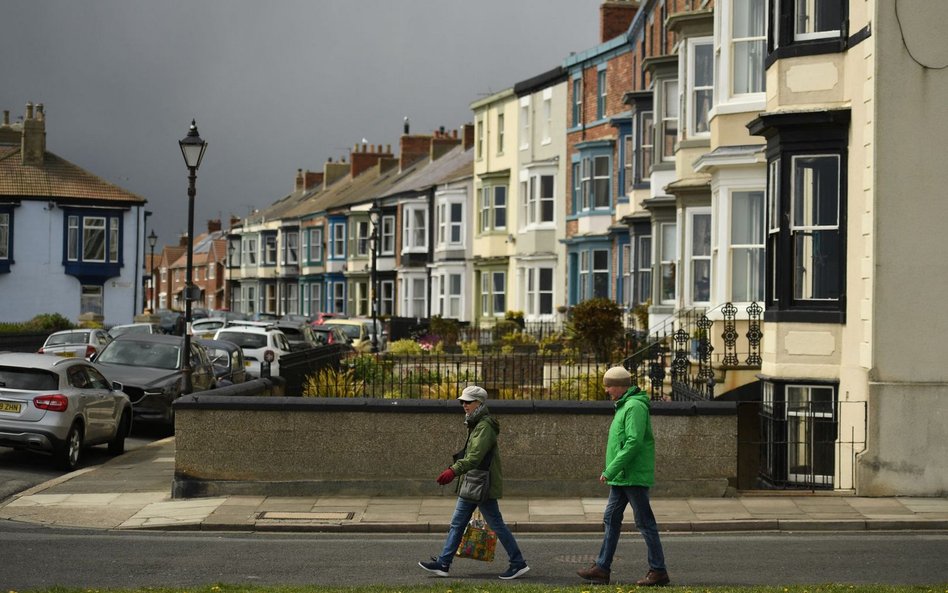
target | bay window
x=806, y=200
x=415, y=228
x=492, y=213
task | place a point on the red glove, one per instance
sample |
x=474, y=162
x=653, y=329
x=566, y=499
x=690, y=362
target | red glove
x=446, y=476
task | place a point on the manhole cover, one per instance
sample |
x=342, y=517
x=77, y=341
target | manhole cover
x=303, y=516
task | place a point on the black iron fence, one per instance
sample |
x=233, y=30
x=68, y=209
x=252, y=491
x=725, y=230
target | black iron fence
x=803, y=445
x=443, y=376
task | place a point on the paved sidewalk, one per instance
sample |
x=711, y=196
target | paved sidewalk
x=134, y=492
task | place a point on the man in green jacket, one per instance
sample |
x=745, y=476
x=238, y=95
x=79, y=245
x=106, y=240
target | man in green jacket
x=630, y=471
x=480, y=452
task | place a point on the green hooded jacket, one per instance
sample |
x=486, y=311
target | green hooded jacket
x=630, y=450
x=482, y=437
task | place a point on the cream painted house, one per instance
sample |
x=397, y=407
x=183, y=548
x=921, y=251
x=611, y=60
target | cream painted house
x=539, y=259
x=496, y=190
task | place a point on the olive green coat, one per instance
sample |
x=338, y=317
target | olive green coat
x=482, y=437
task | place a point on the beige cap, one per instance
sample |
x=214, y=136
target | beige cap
x=617, y=377
x=473, y=393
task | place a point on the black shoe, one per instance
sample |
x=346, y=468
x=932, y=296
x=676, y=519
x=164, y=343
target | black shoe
x=514, y=571
x=435, y=567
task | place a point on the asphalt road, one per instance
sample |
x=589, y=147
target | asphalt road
x=96, y=559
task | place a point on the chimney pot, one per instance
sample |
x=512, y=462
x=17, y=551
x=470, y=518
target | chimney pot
x=29, y=110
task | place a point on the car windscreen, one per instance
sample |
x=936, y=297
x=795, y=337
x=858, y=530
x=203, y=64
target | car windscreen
x=141, y=354
x=350, y=330
x=130, y=329
x=31, y=379
x=70, y=338
x=244, y=340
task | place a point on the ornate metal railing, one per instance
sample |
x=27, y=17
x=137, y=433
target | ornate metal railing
x=682, y=348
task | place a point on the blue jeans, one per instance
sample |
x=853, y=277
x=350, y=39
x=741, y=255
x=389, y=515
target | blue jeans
x=491, y=511
x=637, y=496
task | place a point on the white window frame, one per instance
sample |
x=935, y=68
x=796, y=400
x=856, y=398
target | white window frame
x=750, y=282
x=448, y=227
x=810, y=35
x=5, y=218
x=269, y=247
x=489, y=209
x=291, y=248
x=362, y=238
x=292, y=298
x=493, y=293
x=91, y=298
x=414, y=228
x=696, y=257
x=534, y=291
x=500, y=132
x=388, y=235
x=480, y=138
x=413, y=293
x=525, y=123
x=337, y=249
x=316, y=244
x=387, y=300
x=577, y=106
x=668, y=254
x=602, y=92
x=546, y=133
x=643, y=268
x=669, y=122
x=113, y=247
x=693, y=90
x=93, y=225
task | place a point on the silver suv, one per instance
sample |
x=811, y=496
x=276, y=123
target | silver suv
x=59, y=406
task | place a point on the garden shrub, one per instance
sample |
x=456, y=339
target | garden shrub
x=597, y=323
x=404, y=347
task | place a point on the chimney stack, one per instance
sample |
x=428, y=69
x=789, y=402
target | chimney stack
x=213, y=225
x=33, y=140
x=467, y=136
x=615, y=16
x=442, y=144
x=365, y=159
x=333, y=172
x=311, y=179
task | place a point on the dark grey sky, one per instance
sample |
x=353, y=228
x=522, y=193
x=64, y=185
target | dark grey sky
x=275, y=85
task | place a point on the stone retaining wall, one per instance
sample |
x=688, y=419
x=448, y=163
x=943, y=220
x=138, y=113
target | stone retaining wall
x=374, y=447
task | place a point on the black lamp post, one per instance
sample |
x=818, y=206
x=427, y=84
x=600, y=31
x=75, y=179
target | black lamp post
x=152, y=240
x=192, y=147
x=144, y=277
x=375, y=215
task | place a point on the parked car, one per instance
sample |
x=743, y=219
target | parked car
x=76, y=343
x=259, y=342
x=330, y=334
x=322, y=317
x=299, y=334
x=228, y=361
x=59, y=406
x=171, y=322
x=151, y=370
x=359, y=332
x=207, y=327
x=134, y=328
x=296, y=318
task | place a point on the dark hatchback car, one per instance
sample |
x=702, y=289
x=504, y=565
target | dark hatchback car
x=151, y=370
x=299, y=335
x=228, y=361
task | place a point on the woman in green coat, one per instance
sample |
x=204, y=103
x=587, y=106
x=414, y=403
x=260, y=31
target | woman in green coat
x=481, y=450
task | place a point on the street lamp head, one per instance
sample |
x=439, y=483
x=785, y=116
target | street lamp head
x=152, y=239
x=192, y=147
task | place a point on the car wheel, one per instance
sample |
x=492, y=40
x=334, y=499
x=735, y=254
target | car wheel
x=117, y=444
x=68, y=453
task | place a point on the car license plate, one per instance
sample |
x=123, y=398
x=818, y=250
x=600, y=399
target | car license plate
x=66, y=354
x=11, y=407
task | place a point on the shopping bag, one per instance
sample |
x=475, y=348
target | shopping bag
x=478, y=541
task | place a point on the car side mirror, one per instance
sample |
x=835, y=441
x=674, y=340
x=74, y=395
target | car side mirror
x=116, y=386
x=93, y=356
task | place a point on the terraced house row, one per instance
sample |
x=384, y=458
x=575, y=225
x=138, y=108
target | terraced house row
x=772, y=165
x=710, y=156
